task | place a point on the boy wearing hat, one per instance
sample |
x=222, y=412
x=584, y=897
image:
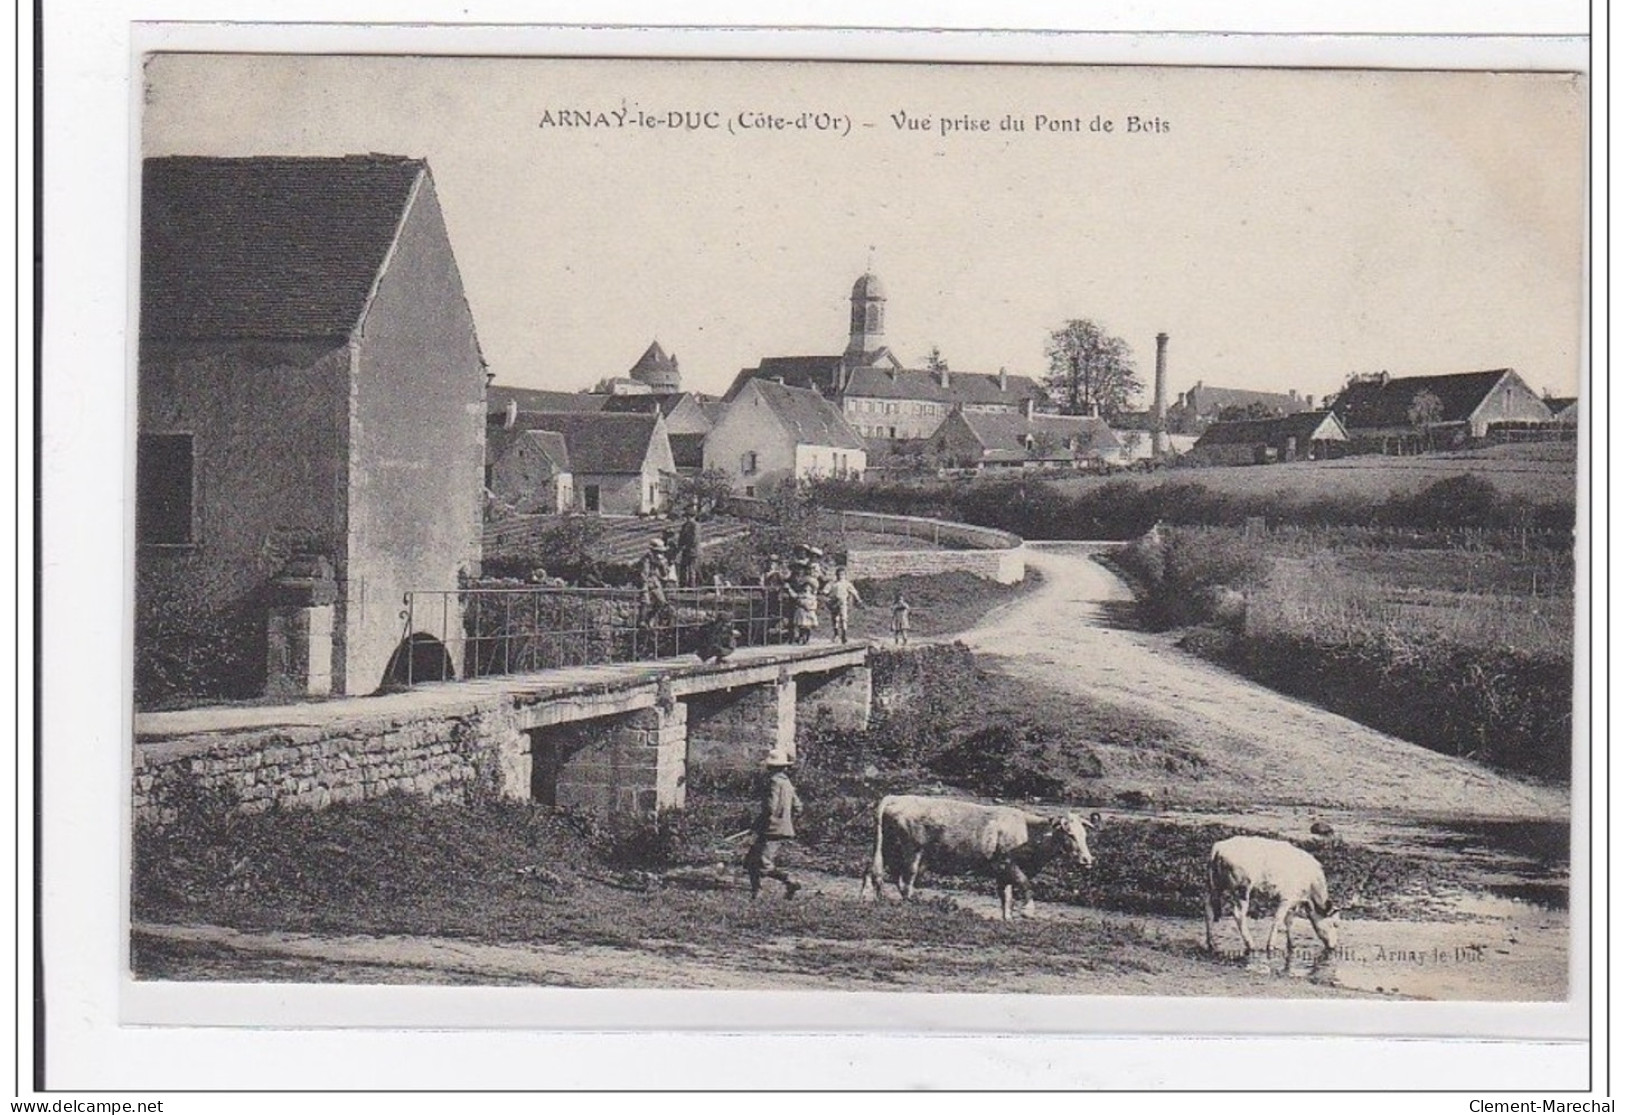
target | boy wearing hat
x=775, y=827
x=652, y=572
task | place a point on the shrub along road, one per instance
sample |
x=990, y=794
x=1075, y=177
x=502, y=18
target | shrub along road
x=1254, y=746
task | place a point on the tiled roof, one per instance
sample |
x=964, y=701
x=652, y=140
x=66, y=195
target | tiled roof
x=893, y=383
x=1273, y=431
x=963, y=387
x=642, y=404
x=809, y=416
x=1005, y=434
x=266, y=247
x=529, y=398
x=1372, y=403
x=598, y=443
x=1211, y=400
x=655, y=367
x=795, y=371
x=498, y=441
x=687, y=450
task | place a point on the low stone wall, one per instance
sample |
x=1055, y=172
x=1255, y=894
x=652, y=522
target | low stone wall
x=994, y=555
x=449, y=756
x=1006, y=567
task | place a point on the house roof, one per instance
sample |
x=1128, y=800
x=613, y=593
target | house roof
x=878, y=382
x=687, y=450
x=643, y=404
x=266, y=247
x=598, y=443
x=1557, y=405
x=795, y=371
x=1306, y=426
x=808, y=415
x=1208, y=400
x=550, y=444
x=963, y=387
x=1004, y=434
x=534, y=399
x=1378, y=403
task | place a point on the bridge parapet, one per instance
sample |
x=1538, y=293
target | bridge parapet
x=607, y=739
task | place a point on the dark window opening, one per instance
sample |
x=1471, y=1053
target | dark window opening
x=590, y=497
x=163, y=481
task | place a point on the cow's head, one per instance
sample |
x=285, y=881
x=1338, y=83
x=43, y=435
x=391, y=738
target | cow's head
x=1072, y=835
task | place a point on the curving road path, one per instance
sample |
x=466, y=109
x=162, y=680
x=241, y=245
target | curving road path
x=1238, y=743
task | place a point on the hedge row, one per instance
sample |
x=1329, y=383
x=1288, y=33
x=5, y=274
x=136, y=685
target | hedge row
x=1121, y=509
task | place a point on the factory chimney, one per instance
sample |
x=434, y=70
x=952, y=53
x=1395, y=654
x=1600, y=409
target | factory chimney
x=1159, y=401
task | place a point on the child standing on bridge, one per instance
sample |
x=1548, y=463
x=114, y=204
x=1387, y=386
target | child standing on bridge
x=842, y=595
x=899, y=620
x=775, y=827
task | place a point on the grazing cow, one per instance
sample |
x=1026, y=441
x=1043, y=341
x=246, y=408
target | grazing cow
x=1243, y=864
x=1012, y=844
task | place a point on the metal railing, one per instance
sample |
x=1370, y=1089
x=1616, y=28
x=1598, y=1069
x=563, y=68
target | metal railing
x=524, y=629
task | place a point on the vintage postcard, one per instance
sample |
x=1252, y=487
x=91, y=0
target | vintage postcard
x=875, y=528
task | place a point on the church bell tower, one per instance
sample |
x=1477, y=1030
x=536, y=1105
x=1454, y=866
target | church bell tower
x=868, y=333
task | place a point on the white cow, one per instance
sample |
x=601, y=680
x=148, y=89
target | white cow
x=1011, y=844
x=1242, y=865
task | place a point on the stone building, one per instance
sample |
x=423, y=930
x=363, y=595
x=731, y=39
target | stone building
x=1310, y=436
x=527, y=472
x=1382, y=412
x=771, y=433
x=1025, y=440
x=876, y=394
x=1194, y=410
x=311, y=429
x=620, y=464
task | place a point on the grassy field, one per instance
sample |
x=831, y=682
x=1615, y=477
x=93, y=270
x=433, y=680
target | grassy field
x=1467, y=650
x=1540, y=472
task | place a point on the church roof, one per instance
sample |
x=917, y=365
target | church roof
x=266, y=247
x=868, y=286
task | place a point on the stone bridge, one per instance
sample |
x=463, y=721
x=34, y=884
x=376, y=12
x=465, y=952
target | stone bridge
x=610, y=739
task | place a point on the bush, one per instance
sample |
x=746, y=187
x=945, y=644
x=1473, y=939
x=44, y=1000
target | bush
x=1187, y=577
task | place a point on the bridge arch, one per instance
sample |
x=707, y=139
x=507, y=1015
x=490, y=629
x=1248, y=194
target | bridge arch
x=418, y=658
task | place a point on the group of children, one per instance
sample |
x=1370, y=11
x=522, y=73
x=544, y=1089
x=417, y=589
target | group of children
x=804, y=584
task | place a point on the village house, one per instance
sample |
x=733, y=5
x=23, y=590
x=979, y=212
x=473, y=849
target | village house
x=1565, y=411
x=619, y=464
x=1026, y=439
x=310, y=430
x=527, y=472
x=876, y=394
x=771, y=433
x=1406, y=414
x=1194, y=410
x=1310, y=436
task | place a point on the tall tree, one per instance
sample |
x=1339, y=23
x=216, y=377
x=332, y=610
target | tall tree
x=934, y=361
x=1090, y=369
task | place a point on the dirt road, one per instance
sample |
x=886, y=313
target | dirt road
x=1253, y=745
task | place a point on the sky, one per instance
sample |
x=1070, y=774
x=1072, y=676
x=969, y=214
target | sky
x=1285, y=228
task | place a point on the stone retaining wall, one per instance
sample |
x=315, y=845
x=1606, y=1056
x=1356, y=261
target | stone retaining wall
x=445, y=757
